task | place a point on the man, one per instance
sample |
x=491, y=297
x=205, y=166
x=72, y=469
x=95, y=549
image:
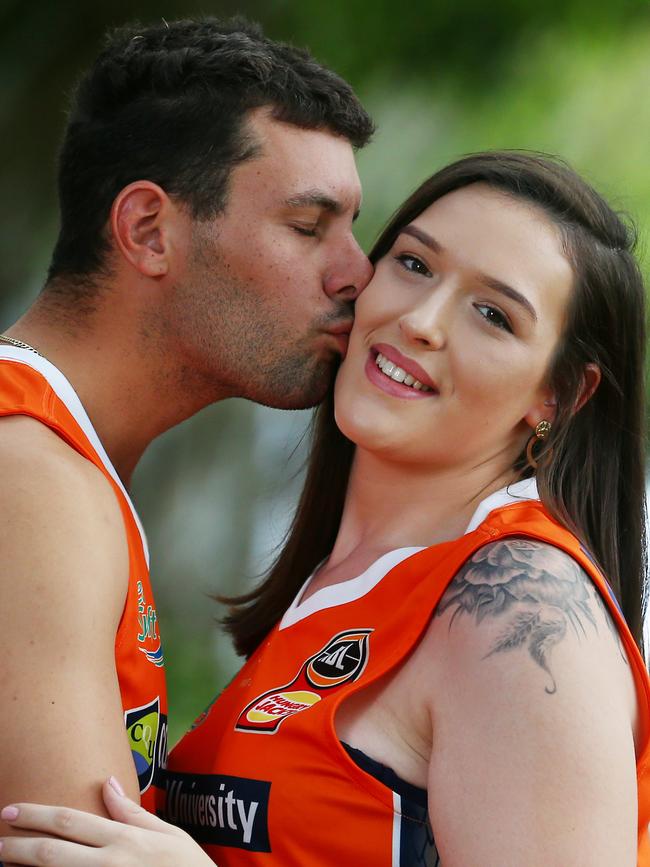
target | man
x=207, y=188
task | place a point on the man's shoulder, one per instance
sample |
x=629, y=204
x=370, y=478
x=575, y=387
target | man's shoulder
x=60, y=512
x=33, y=457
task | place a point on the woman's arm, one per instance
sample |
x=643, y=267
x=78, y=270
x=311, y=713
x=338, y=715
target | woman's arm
x=136, y=839
x=532, y=709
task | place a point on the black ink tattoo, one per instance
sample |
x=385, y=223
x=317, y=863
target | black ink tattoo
x=539, y=590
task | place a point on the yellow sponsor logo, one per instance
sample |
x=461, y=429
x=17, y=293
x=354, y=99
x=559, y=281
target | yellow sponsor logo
x=270, y=707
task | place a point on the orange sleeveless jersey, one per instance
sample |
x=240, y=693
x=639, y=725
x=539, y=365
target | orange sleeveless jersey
x=262, y=778
x=30, y=385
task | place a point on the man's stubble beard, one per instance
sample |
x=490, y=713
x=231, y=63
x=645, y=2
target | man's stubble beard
x=237, y=344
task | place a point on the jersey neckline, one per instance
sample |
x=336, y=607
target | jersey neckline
x=357, y=587
x=64, y=390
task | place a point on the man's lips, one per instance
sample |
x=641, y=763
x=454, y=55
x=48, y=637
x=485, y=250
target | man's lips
x=343, y=327
x=340, y=333
x=407, y=364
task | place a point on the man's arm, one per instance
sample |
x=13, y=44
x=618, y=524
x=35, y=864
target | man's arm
x=533, y=716
x=63, y=581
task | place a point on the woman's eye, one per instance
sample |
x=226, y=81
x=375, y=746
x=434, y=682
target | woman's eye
x=494, y=316
x=412, y=263
x=304, y=230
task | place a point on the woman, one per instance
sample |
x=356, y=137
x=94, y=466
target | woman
x=456, y=645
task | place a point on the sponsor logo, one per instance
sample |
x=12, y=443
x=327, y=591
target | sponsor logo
x=146, y=728
x=220, y=810
x=154, y=656
x=341, y=661
x=147, y=629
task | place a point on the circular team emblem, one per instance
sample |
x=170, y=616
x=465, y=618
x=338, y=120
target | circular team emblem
x=342, y=660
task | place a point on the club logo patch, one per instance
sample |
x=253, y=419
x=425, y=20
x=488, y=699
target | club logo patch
x=342, y=660
x=146, y=728
x=148, y=631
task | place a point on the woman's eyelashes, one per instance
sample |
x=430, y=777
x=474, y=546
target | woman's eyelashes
x=494, y=316
x=413, y=264
x=491, y=314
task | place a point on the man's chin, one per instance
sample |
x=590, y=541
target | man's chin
x=289, y=393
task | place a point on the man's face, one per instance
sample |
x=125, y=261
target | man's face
x=265, y=303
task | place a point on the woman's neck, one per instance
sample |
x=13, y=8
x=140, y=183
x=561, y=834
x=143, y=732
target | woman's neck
x=390, y=505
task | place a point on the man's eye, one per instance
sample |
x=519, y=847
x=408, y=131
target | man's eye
x=304, y=230
x=494, y=316
x=412, y=263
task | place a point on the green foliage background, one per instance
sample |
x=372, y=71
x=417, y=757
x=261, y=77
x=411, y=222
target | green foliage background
x=569, y=77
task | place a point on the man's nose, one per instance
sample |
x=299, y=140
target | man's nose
x=349, y=275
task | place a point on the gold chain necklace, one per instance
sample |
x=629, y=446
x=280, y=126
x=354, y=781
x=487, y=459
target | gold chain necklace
x=19, y=343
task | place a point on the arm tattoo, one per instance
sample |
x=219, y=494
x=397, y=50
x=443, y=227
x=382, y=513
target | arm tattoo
x=537, y=591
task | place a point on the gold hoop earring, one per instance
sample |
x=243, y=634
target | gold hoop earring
x=542, y=430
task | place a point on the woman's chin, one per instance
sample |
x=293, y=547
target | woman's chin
x=368, y=433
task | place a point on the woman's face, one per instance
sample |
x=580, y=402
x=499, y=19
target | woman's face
x=470, y=302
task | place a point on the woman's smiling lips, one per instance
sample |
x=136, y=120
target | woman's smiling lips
x=398, y=375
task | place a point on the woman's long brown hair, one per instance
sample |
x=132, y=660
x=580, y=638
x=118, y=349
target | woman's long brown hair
x=594, y=480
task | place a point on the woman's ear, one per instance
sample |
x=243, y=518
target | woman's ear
x=544, y=410
x=591, y=377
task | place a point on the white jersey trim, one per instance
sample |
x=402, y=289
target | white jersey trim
x=355, y=588
x=518, y=492
x=346, y=591
x=67, y=395
x=397, y=830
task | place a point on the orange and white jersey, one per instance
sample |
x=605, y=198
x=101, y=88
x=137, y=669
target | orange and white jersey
x=262, y=778
x=30, y=385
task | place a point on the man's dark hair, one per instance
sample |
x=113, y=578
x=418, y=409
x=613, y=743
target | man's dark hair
x=168, y=103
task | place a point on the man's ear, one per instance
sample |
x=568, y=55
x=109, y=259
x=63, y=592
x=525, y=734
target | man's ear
x=139, y=225
x=591, y=377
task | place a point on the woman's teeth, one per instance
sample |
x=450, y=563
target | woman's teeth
x=392, y=371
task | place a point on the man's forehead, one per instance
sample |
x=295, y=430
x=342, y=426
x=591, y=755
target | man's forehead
x=293, y=168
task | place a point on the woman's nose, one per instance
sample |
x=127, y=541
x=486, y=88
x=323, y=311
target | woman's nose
x=425, y=325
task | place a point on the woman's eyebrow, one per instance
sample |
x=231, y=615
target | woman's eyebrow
x=509, y=292
x=423, y=237
x=491, y=282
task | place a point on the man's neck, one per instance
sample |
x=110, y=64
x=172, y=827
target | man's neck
x=126, y=382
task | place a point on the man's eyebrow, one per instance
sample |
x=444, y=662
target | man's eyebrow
x=491, y=282
x=317, y=199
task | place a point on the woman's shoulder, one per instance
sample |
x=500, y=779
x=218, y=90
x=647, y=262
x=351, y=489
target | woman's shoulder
x=505, y=574
x=525, y=615
x=522, y=591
